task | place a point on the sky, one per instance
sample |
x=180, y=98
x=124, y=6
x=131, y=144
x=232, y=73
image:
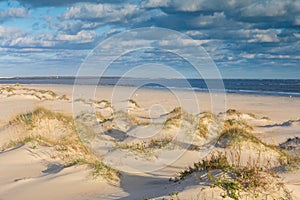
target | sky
x=244, y=38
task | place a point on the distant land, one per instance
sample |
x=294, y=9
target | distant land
x=276, y=87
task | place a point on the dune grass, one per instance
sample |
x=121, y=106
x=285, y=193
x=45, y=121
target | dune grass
x=138, y=147
x=235, y=132
x=173, y=118
x=233, y=178
x=203, y=124
x=134, y=103
x=39, y=94
x=206, y=121
x=235, y=135
x=64, y=138
x=147, y=147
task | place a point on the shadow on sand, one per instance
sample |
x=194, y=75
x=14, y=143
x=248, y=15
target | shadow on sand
x=139, y=187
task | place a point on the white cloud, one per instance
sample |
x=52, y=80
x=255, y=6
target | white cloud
x=189, y=5
x=247, y=55
x=297, y=20
x=258, y=35
x=30, y=41
x=12, y=37
x=297, y=35
x=265, y=37
x=10, y=32
x=178, y=43
x=73, y=26
x=194, y=33
x=80, y=37
x=217, y=19
x=193, y=5
x=13, y=13
x=155, y=3
x=101, y=12
x=197, y=5
x=269, y=8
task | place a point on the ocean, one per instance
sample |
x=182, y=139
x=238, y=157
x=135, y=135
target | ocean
x=276, y=87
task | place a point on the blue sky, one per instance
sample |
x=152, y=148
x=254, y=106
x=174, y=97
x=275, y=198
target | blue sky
x=246, y=39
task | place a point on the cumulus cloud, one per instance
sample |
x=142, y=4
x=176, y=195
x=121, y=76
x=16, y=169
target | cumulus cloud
x=13, y=13
x=275, y=11
x=265, y=38
x=155, y=3
x=10, y=32
x=73, y=26
x=81, y=37
x=258, y=35
x=56, y=3
x=265, y=9
x=16, y=38
x=104, y=13
x=185, y=6
x=217, y=19
x=297, y=20
x=25, y=41
x=297, y=35
x=179, y=43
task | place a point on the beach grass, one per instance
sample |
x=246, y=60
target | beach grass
x=37, y=130
x=234, y=178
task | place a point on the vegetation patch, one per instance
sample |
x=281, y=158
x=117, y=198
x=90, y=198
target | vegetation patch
x=146, y=147
x=233, y=178
x=133, y=102
x=174, y=117
x=235, y=135
x=140, y=147
x=206, y=120
x=39, y=94
x=64, y=139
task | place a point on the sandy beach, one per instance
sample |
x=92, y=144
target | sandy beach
x=60, y=142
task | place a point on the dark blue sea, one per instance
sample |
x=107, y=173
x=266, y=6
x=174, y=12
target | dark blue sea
x=277, y=87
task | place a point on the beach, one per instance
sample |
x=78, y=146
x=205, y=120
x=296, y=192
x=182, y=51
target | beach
x=134, y=143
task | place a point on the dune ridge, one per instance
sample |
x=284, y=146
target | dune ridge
x=95, y=148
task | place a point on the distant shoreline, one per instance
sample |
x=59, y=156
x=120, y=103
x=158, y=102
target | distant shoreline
x=269, y=87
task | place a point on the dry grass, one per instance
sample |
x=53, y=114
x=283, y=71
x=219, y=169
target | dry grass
x=101, y=118
x=103, y=103
x=203, y=124
x=146, y=147
x=133, y=102
x=138, y=147
x=234, y=179
x=233, y=112
x=206, y=122
x=240, y=138
x=46, y=128
x=227, y=170
x=174, y=117
x=39, y=94
x=139, y=120
x=229, y=123
x=160, y=142
x=235, y=135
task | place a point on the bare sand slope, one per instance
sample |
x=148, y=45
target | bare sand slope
x=28, y=173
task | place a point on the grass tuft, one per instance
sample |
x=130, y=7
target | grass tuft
x=174, y=117
x=233, y=178
x=64, y=139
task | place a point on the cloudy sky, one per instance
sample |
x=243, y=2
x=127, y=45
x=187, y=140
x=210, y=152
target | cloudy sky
x=245, y=38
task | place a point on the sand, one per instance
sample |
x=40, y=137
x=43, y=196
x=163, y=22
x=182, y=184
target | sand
x=27, y=173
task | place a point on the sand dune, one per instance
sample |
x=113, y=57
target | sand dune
x=130, y=149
